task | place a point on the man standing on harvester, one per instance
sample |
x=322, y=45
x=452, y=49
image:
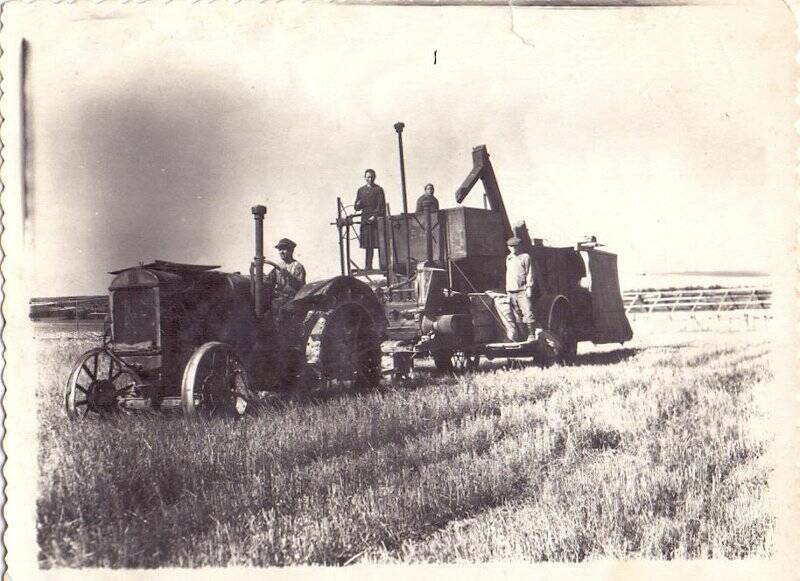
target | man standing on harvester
x=427, y=200
x=519, y=286
x=371, y=201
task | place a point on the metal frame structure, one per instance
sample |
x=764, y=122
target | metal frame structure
x=348, y=226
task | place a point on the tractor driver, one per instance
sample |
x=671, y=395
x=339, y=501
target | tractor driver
x=519, y=286
x=288, y=275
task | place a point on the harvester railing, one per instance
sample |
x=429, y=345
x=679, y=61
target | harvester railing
x=400, y=286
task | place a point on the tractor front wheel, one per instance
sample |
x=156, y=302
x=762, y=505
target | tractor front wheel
x=97, y=385
x=215, y=383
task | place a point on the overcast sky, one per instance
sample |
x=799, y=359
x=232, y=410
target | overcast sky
x=667, y=132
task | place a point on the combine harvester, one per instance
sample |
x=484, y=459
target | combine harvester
x=442, y=277
x=192, y=338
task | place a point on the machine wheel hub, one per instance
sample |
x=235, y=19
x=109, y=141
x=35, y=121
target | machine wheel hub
x=102, y=396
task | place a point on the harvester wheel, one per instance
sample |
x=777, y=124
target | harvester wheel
x=342, y=348
x=215, y=383
x=97, y=384
x=457, y=361
x=557, y=343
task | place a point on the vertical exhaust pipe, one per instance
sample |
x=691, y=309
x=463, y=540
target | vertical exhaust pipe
x=399, y=128
x=258, y=262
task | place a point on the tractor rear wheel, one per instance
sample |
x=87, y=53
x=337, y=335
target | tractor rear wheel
x=215, y=383
x=97, y=385
x=342, y=348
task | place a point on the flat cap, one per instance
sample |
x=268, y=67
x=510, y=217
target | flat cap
x=513, y=241
x=285, y=243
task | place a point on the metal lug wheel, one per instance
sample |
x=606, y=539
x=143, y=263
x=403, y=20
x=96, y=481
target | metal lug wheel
x=215, y=383
x=342, y=348
x=557, y=343
x=97, y=385
x=457, y=361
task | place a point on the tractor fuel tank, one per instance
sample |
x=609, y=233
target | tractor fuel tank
x=488, y=328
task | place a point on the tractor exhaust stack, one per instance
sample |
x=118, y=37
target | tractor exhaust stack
x=258, y=262
x=399, y=128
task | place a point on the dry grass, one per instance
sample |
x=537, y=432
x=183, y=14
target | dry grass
x=643, y=452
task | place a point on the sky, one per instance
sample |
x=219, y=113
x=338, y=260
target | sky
x=666, y=132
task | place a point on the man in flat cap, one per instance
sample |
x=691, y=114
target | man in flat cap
x=519, y=288
x=288, y=275
x=371, y=201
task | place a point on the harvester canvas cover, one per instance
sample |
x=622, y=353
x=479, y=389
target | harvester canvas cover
x=610, y=322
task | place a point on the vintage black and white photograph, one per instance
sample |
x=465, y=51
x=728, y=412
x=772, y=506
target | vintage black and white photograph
x=442, y=284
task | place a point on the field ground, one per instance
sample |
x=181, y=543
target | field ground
x=650, y=450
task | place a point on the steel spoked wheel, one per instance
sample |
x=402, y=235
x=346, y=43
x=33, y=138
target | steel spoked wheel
x=457, y=361
x=215, y=383
x=343, y=349
x=97, y=386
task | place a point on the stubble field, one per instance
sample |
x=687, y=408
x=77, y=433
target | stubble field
x=653, y=450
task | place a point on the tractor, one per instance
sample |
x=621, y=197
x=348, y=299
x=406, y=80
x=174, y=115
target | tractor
x=190, y=338
x=193, y=339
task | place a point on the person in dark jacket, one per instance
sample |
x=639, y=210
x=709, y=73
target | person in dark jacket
x=371, y=201
x=427, y=199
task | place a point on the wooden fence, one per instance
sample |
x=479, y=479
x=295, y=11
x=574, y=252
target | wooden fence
x=694, y=300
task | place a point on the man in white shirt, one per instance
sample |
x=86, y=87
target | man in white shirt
x=519, y=287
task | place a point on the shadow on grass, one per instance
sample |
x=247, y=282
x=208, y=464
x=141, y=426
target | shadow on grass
x=596, y=358
x=316, y=395
x=606, y=357
x=428, y=376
